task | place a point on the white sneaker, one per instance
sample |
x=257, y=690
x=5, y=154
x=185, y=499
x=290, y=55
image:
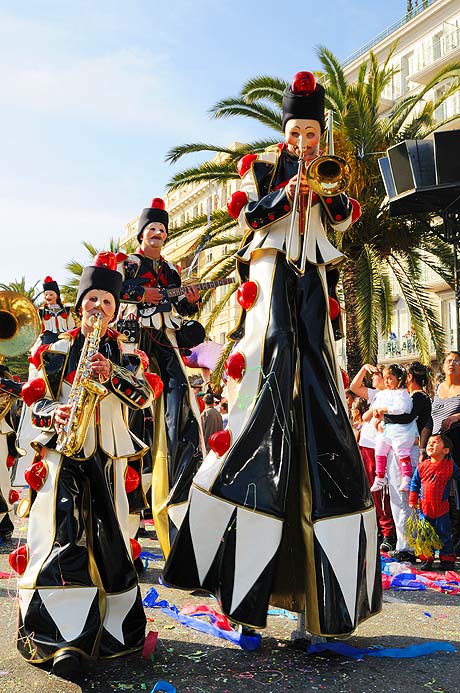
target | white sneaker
x=378, y=484
x=405, y=484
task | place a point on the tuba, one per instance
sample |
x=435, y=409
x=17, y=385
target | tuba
x=19, y=324
x=84, y=395
x=327, y=175
x=19, y=328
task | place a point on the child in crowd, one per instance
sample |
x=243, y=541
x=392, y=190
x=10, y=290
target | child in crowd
x=358, y=409
x=394, y=399
x=431, y=484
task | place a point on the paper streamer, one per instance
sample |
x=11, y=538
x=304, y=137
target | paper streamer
x=246, y=642
x=419, y=650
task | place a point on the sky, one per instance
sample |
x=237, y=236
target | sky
x=94, y=94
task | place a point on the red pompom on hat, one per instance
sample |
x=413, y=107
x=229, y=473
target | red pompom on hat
x=156, y=212
x=106, y=259
x=303, y=83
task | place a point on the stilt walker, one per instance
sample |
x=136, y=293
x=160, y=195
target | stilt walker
x=280, y=511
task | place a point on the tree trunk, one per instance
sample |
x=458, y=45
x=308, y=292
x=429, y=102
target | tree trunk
x=353, y=349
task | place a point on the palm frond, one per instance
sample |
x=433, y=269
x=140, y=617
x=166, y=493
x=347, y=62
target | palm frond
x=181, y=150
x=209, y=171
x=264, y=87
x=258, y=111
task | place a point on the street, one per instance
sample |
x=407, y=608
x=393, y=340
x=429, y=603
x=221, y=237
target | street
x=196, y=662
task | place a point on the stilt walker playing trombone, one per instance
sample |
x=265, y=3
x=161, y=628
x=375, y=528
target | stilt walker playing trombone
x=293, y=523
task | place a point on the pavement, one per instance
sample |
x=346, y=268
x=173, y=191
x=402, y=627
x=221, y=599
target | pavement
x=195, y=662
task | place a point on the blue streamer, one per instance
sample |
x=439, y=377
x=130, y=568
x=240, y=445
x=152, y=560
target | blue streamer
x=148, y=556
x=246, y=642
x=163, y=687
x=419, y=650
x=282, y=612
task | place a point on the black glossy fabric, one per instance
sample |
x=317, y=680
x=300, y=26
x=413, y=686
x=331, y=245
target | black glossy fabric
x=182, y=428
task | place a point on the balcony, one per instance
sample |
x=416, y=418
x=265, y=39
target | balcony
x=404, y=349
x=390, y=30
x=442, y=52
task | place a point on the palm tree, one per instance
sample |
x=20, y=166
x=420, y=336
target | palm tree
x=378, y=247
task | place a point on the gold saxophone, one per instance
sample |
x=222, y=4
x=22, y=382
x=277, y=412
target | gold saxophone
x=83, y=397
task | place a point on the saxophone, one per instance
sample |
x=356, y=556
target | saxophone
x=83, y=397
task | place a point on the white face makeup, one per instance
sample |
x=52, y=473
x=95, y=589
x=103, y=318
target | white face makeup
x=303, y=135
x=94, y=302
x=154, y=235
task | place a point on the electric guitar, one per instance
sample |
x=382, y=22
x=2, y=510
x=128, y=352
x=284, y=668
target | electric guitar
x=145, y=310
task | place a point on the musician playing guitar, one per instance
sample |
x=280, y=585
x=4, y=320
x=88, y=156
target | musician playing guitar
x=175, y=438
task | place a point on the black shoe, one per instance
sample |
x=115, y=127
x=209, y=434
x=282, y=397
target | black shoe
x=388, y=544
x=426, y=565
x=447, y=565
x=67, y=664
x=402, y=556
x=5, y=537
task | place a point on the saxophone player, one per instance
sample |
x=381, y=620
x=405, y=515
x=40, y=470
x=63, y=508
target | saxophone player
x=78, y=590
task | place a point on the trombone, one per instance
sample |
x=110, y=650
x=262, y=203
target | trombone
x=327, y=175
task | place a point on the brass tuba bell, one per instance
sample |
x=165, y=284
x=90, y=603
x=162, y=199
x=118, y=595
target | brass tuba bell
x=19, y=324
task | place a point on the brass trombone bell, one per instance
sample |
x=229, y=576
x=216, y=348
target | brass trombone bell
x=19, y=324
x=328, y=175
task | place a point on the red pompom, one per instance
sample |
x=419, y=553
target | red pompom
x=48, y=280
x=244, y=164
x=355, y=210
x=235, y=366
x=18, y=559
x=13, y=496
x=236, y=202
x=33, y=390
x=135, y=549
x=303, y=83
x=120, y=257
x=9, y=461
x=105, y=259
x=155, y=383
x=220, y=442
x=36, y=474
x=247, y=294
x=345, y=379
x=334, y=308
x=157, y=203
x=132, y=479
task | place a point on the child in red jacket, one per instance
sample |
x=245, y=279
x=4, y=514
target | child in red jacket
x=431, y=485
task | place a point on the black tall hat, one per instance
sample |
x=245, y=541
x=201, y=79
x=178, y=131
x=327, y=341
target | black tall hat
x=156, y=212
x=50, y=285
x=101, y=275
x=304, y=98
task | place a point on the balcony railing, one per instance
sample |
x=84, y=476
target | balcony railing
x=407, y=17
x=406, y=347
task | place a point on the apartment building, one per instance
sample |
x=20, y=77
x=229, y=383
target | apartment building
x=427, y=39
